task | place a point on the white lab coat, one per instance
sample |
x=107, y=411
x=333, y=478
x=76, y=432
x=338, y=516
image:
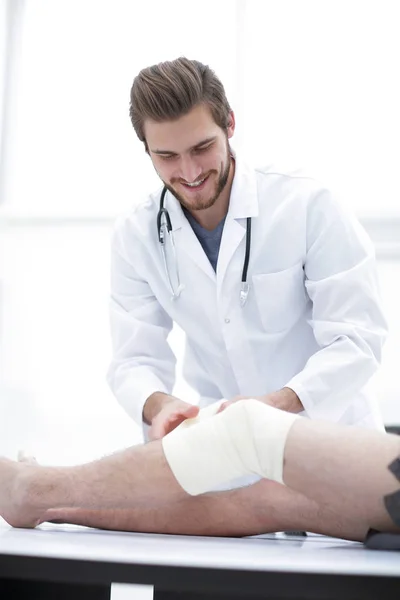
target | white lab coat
x=312, y=321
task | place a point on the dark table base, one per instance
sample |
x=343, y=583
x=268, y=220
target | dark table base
x=165, y=595
x=11, y=589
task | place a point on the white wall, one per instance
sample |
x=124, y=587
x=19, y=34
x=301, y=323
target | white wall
x=310, y=81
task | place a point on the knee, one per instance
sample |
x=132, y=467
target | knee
x=248, y=410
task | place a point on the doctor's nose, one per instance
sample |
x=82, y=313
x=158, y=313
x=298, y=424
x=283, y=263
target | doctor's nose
x=190, y=170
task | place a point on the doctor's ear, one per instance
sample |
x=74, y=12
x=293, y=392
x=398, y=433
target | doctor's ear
x=230, y=130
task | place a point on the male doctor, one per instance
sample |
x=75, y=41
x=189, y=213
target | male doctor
x=273, y=283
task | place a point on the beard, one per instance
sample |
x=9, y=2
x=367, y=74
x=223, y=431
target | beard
x=202, y=204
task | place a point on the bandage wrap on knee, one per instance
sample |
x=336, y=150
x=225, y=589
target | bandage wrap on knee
x=247, y=437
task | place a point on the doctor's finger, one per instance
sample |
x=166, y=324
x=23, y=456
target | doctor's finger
x=225, y=405
x=158, y=430
x=162, y=428
x=179, y=417
x=190, y=412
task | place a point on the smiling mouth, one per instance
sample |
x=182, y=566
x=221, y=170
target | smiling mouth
x=195, y=184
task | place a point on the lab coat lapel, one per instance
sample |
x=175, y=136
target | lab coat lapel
x=243, y=203
x=234, y=232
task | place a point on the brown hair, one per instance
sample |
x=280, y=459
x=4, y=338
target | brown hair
x=169, y=90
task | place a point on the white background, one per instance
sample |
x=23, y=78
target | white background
x=313, y=83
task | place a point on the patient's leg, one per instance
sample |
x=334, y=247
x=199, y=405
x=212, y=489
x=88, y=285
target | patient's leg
x=138, y=476
x=261, y=508
x=342, y=470
x=345, y=468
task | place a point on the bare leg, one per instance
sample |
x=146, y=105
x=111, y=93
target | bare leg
x=261, y=508
x=138, y=476
x=343, y=468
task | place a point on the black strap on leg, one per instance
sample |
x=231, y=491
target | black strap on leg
x=394, y=467
x=388, y=541
x=392, y=501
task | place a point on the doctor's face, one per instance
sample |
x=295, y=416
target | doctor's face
x=192, y=157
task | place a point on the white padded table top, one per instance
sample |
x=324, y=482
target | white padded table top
x=314, y=554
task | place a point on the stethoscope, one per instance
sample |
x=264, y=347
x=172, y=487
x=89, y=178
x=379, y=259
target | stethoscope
x=164, y=230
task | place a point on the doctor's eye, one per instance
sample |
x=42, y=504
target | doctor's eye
x=203, y=149
x=168, y=156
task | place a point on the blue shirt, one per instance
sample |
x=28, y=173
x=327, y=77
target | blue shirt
x=210, y=240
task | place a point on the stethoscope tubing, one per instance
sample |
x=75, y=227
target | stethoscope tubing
x=164, y=229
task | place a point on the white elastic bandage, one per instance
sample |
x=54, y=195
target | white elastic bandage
x=212, y=449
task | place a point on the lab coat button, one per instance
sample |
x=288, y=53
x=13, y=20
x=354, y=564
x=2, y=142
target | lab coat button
x=227, y=320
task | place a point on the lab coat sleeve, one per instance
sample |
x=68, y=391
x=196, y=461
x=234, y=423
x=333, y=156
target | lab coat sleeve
x=142, y=361
x=347, y=319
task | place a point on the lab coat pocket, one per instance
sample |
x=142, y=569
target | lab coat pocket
x=281, y=297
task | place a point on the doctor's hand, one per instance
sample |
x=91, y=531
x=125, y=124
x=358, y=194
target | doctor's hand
x=284, y=399
x=172, y=413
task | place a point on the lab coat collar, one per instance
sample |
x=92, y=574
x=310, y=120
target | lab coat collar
x=243, y=201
